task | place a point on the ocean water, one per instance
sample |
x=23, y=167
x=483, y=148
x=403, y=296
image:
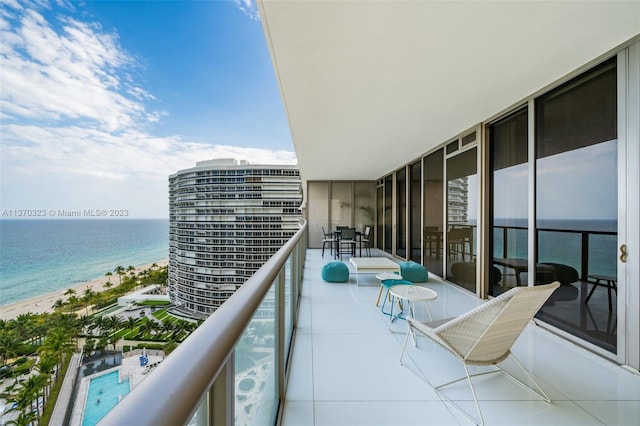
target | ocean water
x=43, y=256
x=560, y=241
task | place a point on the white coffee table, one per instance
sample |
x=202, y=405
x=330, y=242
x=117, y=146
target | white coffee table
x=374, y=265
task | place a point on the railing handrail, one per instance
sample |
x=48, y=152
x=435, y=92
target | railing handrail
x=574, y=231
x=170, y=396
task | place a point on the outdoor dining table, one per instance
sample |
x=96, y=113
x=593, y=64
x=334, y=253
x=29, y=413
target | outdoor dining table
x=336, y=237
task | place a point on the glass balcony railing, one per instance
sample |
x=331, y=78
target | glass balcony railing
x=233, y=368
x=588, y=251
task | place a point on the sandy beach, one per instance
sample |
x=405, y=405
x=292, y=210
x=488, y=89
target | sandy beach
x=45, y=302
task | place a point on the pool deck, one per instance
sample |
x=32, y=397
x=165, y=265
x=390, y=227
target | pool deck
x=130, y=368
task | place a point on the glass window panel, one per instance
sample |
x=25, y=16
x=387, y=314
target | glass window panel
x=401, y=213
x=288, y=302
x=576, y=202
x=579, y=113
x=380, y=216
x=388, y=205
x=509, y=178
x=462, y=208
x=256, y=401
x=415, y=216
x=470, y=138
x=433, y=212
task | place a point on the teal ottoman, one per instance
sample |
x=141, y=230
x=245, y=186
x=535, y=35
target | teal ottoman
x=414, y=272
x=335, y=272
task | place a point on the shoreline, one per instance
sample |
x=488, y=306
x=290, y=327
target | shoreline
x=45, y=302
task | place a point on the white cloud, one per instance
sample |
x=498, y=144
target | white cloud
x=75, y=130
x=70, y=74
x=132, y=154
x=74, y=167
x=249, y=8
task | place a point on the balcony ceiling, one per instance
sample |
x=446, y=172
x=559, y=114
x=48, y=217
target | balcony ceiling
x=370, y=85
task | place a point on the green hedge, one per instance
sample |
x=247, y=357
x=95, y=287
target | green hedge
x=154, y=303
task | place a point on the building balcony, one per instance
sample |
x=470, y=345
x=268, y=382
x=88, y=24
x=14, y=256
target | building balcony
x=345, y=367
x=343, y=364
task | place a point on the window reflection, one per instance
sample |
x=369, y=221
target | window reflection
x=576, y=203
x=462, y=207
x=414, y=211
x=509, y=176
x=401, y=213
x=433, y=208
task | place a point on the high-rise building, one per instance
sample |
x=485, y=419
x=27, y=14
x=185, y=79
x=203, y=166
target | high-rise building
x=226, y=219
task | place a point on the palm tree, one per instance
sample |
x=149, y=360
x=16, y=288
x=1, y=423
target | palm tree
x=145, y=327
x=9, y=342
x=46, y=366
x=37, y=383
x=108, y=284
x=72, y=301
x=24, y=419
x=169, y=328
x=113, y=323
x=59, y=343
x=89, y=346
x=58, y=305
x=97, y=323
x=113, y=339
x=131, y=323
x=88, y=295
x=120, y=271
x=101, y=345
x=23, y=323
x=69, y=292
x=108, y=274
x=26, y=393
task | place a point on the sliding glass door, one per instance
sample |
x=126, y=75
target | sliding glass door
x=577, y=205
x=433, y=187
x=462, y=209
x=415, y=208
x=509, y=180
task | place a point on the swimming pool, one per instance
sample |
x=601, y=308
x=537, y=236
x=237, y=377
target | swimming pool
x=105, y=363
x=103, y=394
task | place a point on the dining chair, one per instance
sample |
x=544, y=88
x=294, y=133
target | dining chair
x=347, y=242
x=365, y=239
x=327, y=238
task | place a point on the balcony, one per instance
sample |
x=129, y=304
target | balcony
x=346, y=369
x=344, y=365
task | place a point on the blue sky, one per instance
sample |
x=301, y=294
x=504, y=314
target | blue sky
x=101, y=101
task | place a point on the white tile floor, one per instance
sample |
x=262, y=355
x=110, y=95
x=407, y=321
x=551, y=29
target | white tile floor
x=346, y=371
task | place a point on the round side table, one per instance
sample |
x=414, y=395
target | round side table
x=413, y=293
x=385, y=276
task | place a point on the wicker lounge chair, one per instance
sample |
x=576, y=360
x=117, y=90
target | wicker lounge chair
x=485, y=335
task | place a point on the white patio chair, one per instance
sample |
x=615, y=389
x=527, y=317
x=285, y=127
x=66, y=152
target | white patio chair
x=328, y=238
x=484, y=336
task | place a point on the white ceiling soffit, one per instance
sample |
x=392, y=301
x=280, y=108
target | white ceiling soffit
x=368, y=86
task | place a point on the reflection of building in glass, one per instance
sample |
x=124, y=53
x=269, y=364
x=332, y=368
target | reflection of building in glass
x=226, y=219
x=458, y=200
